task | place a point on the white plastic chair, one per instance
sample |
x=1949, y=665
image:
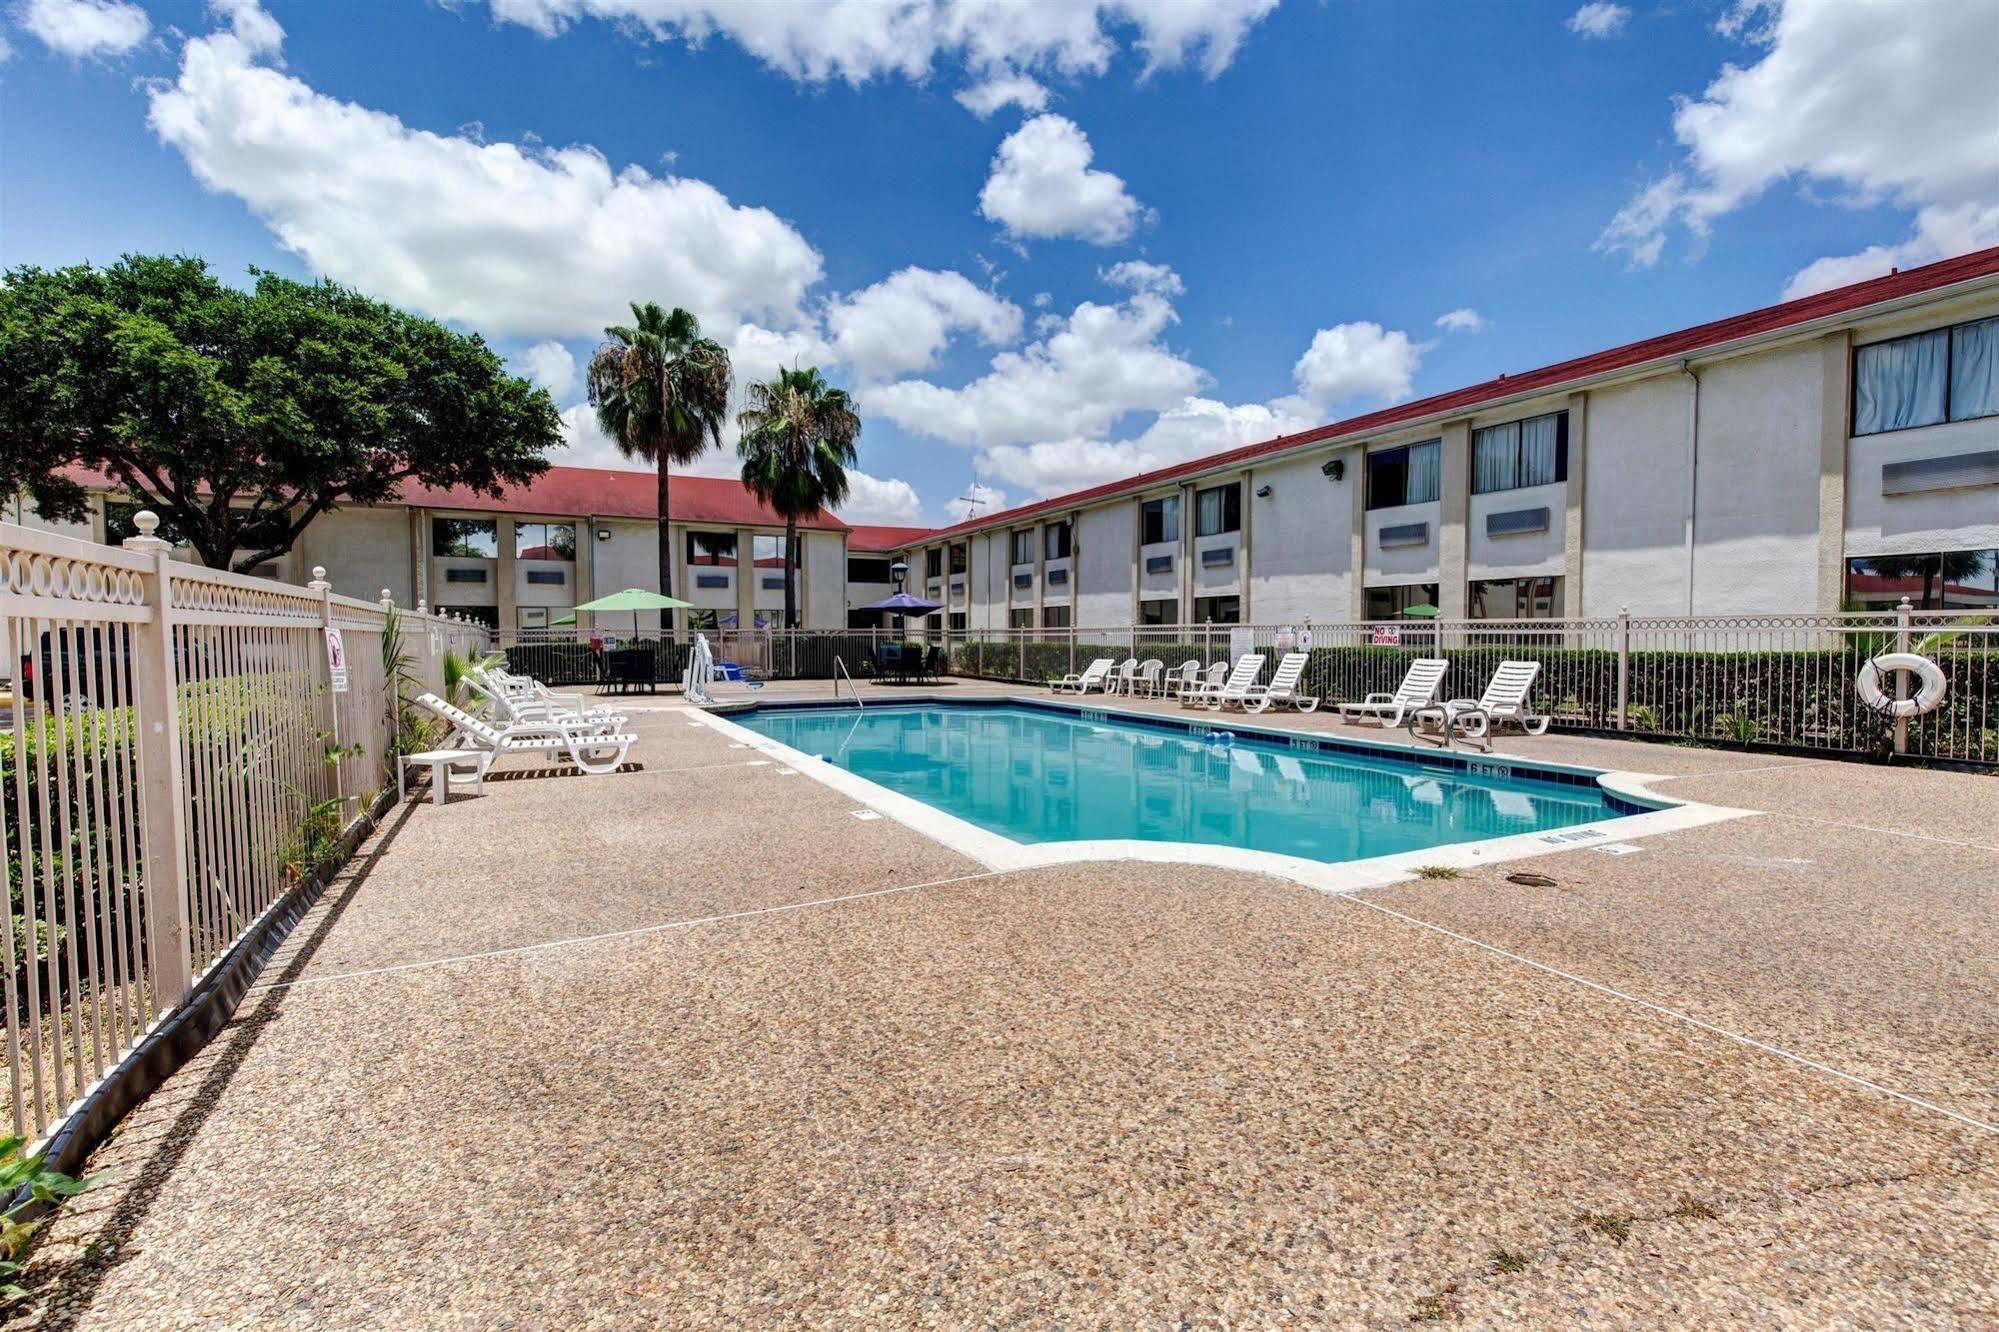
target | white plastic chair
x=1418, y=689
x=1183, y=678
x=594, y=746
x=1283, y=686
x=523, y=699
x=1148, y=677
x=1504, y=700
x=1095, y=675
x=1123, y=677
x=1200, y=692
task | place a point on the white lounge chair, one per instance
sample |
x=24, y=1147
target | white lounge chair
x=1235, y=692
x=1198, y=693
x=1096, y=675
x=1147, y=679
x=1504, y=700
x=1418, y=688
x=594, y=746
x=522, y=699
x=1283, y=686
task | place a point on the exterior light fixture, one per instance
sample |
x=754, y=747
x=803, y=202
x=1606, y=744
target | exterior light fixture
x=1334, y=468
x=1263, y=492
x=898, y=572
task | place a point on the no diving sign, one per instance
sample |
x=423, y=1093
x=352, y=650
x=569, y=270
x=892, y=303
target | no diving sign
x=336, y=660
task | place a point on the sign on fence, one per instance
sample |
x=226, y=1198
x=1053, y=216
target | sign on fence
x=1387, y=635
x=336, y=660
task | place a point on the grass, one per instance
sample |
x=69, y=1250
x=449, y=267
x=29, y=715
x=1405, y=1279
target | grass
x=1434, y=1308
x=1616, y=1228
x=1693, y=1208
x=1439, y=872
x=1506, y=1260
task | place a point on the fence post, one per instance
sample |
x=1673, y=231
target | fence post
x=1623, y=667
x=162, y=791
x=325, y=590
x=1903, y=617
x=1072, y=636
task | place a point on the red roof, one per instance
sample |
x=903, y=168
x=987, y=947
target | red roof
x=596, y=492
x=1840, y=300
x=863, y=537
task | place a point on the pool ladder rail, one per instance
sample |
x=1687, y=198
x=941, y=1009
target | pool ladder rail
x=840, y=670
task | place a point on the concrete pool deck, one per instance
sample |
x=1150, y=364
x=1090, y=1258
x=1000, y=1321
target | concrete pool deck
x=695, y=1046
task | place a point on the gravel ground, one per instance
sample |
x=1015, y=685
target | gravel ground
x=1099, y=1095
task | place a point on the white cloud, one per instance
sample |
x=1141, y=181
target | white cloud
x=1192, y=429
x=978, y=498
x=1003, y=90
x=79, y=28
x=1464, y=319
x=512, y=238
x=891, y=502
x=1883, y=101
x=550, y=365
x=1357, y=360
x=1042, y=185
x=6, y=51
x=857, y=40
x=1138, y=275
x=1101, y=362
x=584, y=443
x=1599, y=19
x=901, y=323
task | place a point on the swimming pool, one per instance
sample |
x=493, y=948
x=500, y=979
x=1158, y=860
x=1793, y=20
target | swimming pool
x=1042, y=774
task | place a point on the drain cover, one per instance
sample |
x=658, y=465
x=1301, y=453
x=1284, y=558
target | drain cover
x=1532, y=880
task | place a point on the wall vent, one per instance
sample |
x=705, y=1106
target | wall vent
x=1517, y=522
x=717, y=580
x=1950, y=471
x=1221, y=557
x=464, y=575
x=1159, y=564
x=1404, y=534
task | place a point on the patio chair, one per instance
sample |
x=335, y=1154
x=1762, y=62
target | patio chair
x=1182, y=678
x=522, y=698
x=1235, y=691
x=1148, y=677
x=1121, y=678
x=1418, y=688
x=1504, y=700
x=1096, y=675
x=592, y=745
x=1200, y=691
x=1284, y=686
x=934, y=664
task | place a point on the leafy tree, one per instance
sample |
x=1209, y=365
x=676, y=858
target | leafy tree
x=661, y=391
x=240, y=416
x=797, y=444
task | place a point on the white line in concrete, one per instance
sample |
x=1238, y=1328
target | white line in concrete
x=611, y=935
x=1885, y=832
x=1736, y=772
x=1676, y=1015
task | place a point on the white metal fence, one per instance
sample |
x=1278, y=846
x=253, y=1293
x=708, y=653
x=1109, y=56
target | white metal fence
x=1774, y=680
x=176, y=756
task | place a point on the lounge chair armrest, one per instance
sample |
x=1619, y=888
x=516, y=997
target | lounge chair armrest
x=1377, y=700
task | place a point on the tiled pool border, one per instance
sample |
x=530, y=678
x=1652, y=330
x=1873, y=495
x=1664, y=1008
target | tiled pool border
x=1641, y=813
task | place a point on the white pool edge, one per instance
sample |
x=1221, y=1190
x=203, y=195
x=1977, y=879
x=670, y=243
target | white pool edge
x=1003, y=853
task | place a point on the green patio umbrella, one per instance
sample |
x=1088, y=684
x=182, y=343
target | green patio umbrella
x=564, y=619
x=634, y=599
x=1425, y=611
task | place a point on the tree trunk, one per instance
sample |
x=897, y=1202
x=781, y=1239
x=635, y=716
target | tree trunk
x=790, y=568
x=665, y=552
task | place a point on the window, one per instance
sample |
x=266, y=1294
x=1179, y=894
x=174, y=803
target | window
x=1516, y=599
x=1054, y=617
x=933, y=563
x=1020, y=619
x=714, y=548
x=1407, y=474
x=1946, y=374
x=465, y=538
x=1386, y=603
x=1218, y=610
x=768, y=552
x=1160, y=610
x=1534, y=452
x=1217, y=510
x=1950, y=580
x=544, y=541
x=1055, y=541
x=957, y=622
x=960, y=553
x=868, y=571
x=1023, y=546
x=1159, y=520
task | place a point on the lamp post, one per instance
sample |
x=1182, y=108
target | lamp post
x=897, y=572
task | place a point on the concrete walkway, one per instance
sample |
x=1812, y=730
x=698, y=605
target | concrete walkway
x=695, y=1046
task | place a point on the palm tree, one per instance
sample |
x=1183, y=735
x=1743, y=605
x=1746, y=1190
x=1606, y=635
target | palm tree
x=797, y=444
x=661, y=391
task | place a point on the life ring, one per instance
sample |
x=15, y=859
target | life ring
x=1929, y=679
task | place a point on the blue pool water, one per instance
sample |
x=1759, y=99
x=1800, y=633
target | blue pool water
x=1038, y=775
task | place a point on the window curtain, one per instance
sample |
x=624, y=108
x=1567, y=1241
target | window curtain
x=1974, y=370
x=1425, y=465
x=1538, y=439
x=1495, y=451
x=1900, y=384
x=1207, y=512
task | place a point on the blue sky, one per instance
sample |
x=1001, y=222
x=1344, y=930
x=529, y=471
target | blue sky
x=1190, y=223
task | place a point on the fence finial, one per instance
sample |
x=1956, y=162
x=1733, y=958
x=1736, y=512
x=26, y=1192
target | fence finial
x=388, y=602
x=319, y=583
x=147, y=522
